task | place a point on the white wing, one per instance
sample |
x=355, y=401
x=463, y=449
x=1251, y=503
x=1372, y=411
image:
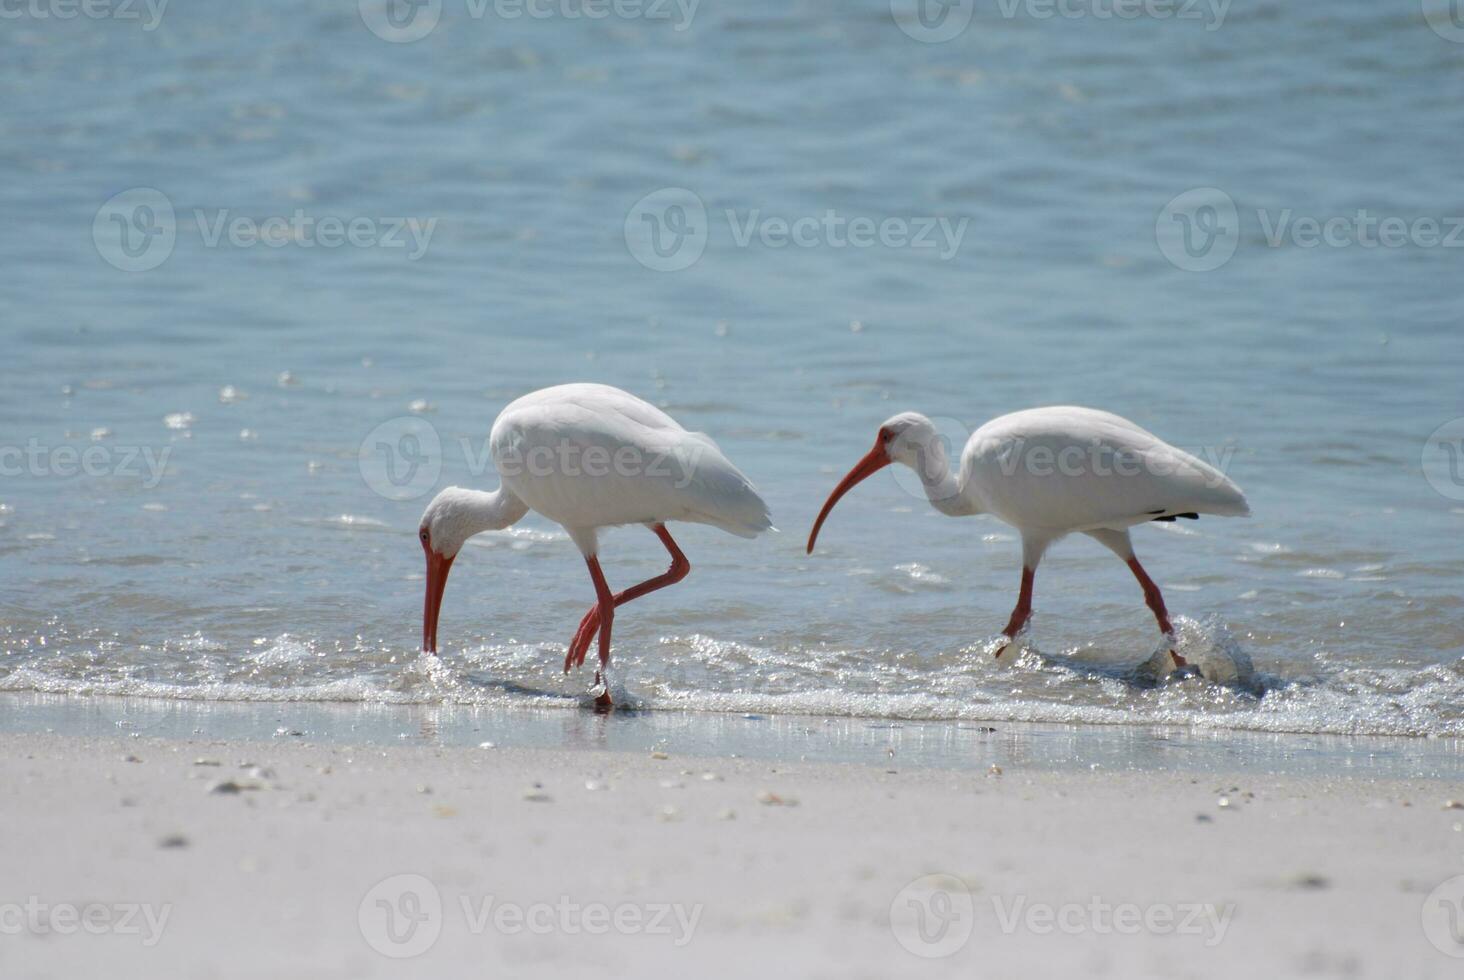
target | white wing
x=1073, y=469
x=589, y=455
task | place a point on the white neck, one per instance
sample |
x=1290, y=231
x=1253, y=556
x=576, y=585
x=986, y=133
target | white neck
x=458, y=513
x=492, y=510
x=942, y=487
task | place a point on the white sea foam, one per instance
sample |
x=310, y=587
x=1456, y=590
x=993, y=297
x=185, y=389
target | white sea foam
x=701, y=673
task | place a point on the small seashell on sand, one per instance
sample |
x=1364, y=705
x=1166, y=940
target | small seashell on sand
x=659, y=755
x=1310, y=882
x=995, y=770
x=769, y=798
x=207, y=762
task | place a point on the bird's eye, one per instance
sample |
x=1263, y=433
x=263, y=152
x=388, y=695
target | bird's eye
x=885, y=435
x=422, y=534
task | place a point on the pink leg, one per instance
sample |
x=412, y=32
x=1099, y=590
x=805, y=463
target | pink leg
x=1155, y=600
x=606, y=602
x=1022, y=612
x=580, y=645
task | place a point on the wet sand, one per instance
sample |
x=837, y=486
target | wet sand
x=223, y=858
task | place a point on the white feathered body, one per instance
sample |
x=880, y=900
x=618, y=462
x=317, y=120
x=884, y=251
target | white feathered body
x=589, y=456
x=1064, y=469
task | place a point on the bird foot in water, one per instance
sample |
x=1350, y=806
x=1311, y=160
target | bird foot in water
x=601, y=690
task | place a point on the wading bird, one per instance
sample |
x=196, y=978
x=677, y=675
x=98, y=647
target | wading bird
x=589, y=456
x=1050, y=472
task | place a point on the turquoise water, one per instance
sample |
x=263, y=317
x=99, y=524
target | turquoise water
x=187, y=510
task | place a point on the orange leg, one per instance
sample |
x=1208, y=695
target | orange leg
x=602, y=614
x=1155, y=601
x=607, y=601
x=1022, y=612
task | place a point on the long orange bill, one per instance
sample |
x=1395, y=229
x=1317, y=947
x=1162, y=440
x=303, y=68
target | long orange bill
x=874, y=461
x=437, y=569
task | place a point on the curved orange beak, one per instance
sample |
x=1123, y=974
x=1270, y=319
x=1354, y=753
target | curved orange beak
x=437, y=569
x=874, y=461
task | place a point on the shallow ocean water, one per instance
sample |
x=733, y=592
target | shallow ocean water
x=235, y=539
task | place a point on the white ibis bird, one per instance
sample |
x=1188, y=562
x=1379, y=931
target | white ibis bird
x=589, y=456
x=1050, y=472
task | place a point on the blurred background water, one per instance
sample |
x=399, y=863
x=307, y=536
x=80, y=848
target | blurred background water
x=231, y=539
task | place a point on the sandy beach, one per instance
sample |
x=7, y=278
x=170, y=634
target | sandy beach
x=138, y=856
